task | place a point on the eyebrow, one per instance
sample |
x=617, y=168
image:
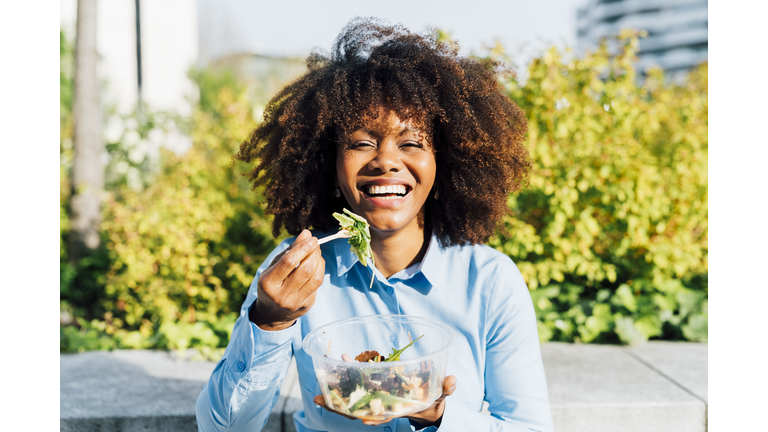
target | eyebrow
x=402, y=132
x=410, y=129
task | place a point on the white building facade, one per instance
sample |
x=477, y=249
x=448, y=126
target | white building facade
x=677, y=29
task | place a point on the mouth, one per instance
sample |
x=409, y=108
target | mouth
x=394, y=191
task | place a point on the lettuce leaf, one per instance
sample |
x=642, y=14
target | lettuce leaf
x=360, y=236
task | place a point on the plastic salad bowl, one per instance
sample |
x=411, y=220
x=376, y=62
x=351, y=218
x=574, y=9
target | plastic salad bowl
x=386, y=380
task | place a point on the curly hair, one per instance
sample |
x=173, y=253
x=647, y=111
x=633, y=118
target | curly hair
x=477, y=132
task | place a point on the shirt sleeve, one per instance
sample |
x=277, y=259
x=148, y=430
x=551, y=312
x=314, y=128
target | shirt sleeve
x=515, y=384
x=245, y=384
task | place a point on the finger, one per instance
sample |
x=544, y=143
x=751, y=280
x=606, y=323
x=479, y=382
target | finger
x=313, y=283
x=449, y=386
x=303, y=279
x=303, y=235
x=320, y=401
x=294, y=257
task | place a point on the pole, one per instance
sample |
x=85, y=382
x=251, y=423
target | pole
x=87, y=167
x=138, y=60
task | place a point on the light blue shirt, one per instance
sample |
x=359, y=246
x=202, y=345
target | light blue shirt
x=476, y=290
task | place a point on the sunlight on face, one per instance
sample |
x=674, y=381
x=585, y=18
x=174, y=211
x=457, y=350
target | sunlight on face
x=386, y=171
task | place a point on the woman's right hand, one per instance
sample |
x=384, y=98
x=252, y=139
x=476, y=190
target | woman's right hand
x=287, y=288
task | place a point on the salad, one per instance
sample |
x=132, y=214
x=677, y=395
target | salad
x=378, y=393
x=355, y=227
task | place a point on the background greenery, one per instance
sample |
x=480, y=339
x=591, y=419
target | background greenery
x=611, y=234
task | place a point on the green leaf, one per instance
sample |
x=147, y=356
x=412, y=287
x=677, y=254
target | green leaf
x=389, y=399
x=395, y=356
x=697, y=328
x=626, y=297
x=360, y=236
x=363, y=401
x=625, y=328
x=649, y=326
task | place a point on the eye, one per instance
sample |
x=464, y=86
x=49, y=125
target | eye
x=361, y=145
x=412, y=144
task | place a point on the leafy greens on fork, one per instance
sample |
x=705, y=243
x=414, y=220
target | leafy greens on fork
x=355, y=229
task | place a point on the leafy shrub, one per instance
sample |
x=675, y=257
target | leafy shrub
x=182, y=251
x=611, y=235
x=185, y=249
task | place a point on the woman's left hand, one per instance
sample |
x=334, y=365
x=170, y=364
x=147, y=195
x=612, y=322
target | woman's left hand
x=428, y=417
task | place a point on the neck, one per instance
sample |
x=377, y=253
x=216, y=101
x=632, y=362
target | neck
x=396, y=251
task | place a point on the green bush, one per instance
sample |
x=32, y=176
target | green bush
x=179, y=251
x=185, y=249
x=611, y=234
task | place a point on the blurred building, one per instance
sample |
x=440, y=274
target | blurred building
x=175, y=36
x=677, y=29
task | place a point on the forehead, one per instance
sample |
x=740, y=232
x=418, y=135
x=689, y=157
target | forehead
x=387, y=121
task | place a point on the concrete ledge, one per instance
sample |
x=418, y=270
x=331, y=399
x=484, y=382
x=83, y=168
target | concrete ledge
x=658, y=386
x=606, y=388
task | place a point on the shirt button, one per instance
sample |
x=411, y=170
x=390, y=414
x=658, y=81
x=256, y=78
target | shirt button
x=387, y=429
x=390, y=290
x=240, y=366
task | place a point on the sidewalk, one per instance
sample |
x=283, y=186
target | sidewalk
x=658, y=386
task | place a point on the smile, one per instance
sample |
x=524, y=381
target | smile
x=386, y=192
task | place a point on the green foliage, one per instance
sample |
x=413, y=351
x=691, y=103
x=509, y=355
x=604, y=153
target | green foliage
x=132, y=146
x=611, y=234
x=89, y=336
x=67, y=86
x=209, y=82
x=182, y=245
x=82, y=282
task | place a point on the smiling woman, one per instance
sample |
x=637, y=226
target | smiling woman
x=422, y=144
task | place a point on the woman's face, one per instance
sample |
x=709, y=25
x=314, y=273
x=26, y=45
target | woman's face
x=386, y=170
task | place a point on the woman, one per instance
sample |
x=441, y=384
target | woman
x=423, y=144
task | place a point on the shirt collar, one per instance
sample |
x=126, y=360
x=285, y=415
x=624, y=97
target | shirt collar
x=433, y=264
x=430, y=265
x=345, y=259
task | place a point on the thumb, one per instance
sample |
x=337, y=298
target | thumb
x=449, y=386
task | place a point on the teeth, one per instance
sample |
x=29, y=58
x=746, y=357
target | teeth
x=390, y=189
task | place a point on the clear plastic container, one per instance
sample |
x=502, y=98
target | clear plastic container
x=385, y=389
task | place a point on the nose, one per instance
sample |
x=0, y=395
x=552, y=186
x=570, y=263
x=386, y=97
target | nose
x=386, y=160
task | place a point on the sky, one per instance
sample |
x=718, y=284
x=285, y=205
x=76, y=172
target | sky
x=179, y=34
x=295, y=27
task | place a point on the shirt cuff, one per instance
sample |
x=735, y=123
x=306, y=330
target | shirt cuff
x=251, y=345
x=272, y=339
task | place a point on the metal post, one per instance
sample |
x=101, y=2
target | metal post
x=138, y=61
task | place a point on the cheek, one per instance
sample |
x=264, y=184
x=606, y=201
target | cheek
x=347, y=167
x=342, y=167
x=427, y=170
